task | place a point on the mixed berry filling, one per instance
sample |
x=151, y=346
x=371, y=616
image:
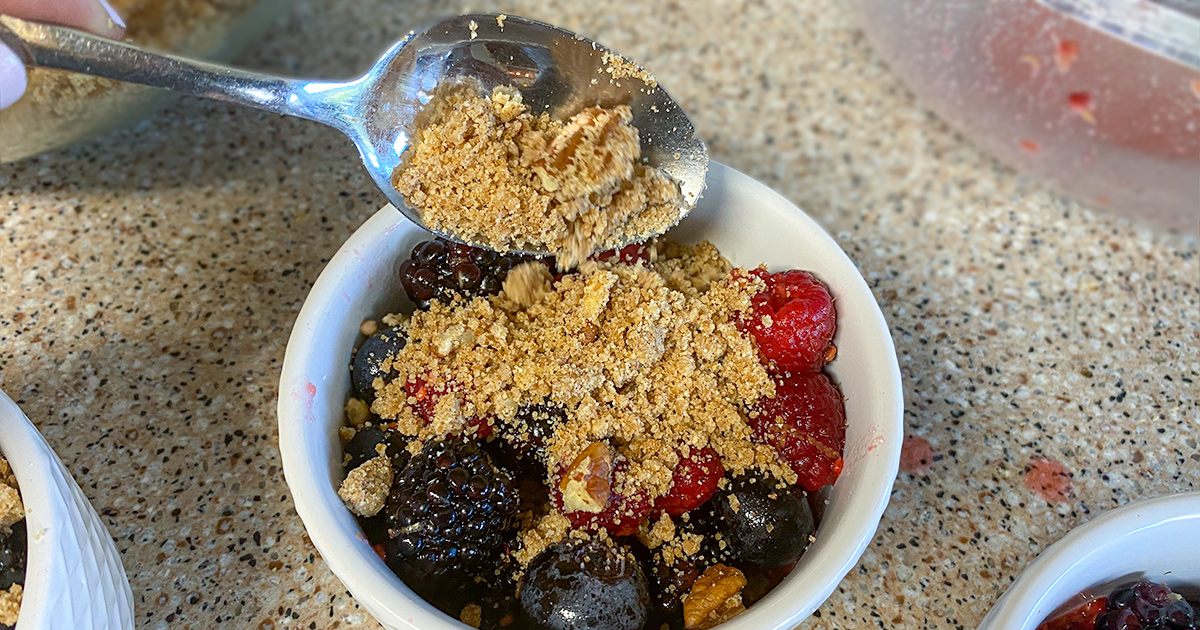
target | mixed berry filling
x=1142, y=606
x=638, y=443
x=13, y=547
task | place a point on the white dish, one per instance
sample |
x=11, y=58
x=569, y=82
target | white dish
x=750, y=224
x=74, y=577
x=1157, y=539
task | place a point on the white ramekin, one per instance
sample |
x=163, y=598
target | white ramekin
x=750, y=224
x=74, y=578
x=1156, y=539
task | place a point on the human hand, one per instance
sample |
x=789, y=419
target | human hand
x=95, y=16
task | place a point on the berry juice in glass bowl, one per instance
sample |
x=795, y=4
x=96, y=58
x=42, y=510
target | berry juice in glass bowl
x=1100, y=98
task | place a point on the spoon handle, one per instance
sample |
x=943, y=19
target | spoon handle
x=63, y=48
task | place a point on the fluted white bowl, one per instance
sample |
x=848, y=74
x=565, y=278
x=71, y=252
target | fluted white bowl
x=750, y=224
x=74, y=578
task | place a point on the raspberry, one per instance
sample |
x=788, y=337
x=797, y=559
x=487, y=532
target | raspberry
x=1146, y=605
x=621, y=514
x=620, y=517
x=629, y=255
x=1081, y=618
x=424, y=398
x=792, y=322
x=806, y=424
x=695, y=481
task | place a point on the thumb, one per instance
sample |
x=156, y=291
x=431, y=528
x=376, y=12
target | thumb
x=95, y=16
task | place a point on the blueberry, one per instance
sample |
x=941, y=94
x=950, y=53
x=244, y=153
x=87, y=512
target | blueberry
x=585, y=584
x=363, y=447
x=368, y=361
x=1121, y=598
x=1120, y=619
x=12, y=557
x=763, y=522
x=1179, y=615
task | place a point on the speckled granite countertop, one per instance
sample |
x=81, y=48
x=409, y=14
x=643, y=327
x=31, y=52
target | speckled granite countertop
x=149, y=280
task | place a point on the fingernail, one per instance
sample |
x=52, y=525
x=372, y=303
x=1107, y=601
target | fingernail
x=12, y=77
x=113, y=15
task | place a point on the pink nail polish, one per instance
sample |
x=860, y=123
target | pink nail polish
x=112, y=14
x=12, y=77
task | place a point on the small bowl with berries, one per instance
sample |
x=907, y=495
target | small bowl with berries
x=696, y=431
x=59, y=567
x=1133, y=568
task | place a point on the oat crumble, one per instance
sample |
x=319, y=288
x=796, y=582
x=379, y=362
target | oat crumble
x=530, y=415
x=489, y=171
x=646, y=357
x=12, y=511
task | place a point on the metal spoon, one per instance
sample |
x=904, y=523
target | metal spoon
x=556, y=71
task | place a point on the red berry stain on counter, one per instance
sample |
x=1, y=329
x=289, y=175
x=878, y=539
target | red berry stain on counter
x=1065, y=54
x=1081, y=103
x=916, y=455
x=1048, y=479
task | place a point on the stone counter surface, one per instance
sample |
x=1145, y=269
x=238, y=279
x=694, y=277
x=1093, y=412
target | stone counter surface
x=149, y=281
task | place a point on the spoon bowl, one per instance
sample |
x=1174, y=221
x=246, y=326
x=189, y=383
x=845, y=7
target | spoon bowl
x=556, y=71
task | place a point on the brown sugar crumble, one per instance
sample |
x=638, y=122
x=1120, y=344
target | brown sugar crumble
x=492, y=173
x=365, y=489
x=621, y=68
x=12, y=511
x=646, y=360
x=544, y=424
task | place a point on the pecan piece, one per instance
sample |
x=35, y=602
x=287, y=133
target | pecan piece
x=588, y=482
x=715, y=598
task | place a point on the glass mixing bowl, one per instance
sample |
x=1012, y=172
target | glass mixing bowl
x=60, y=108
x=1099, y=97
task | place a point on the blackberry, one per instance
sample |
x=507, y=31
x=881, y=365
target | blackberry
x=449, y=513
x=763, y=522
x=439, y=270
x=12, y=557
x=585, y=584
x=369, y=359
